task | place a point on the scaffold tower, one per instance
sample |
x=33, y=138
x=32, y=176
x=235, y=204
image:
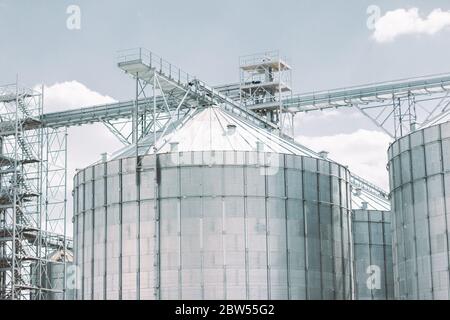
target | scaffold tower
x=30, y=228
x=265, y=81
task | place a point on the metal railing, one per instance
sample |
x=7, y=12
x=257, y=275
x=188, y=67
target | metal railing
x=153, y=61
x=262, y=57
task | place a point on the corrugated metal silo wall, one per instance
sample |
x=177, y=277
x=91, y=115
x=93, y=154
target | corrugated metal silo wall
x=223, y=227
x=53, y=281
x=373, y=255
x=419, y=166
x=56, y=272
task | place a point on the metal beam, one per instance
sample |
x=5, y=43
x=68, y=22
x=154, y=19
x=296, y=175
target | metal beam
x=365, y=97
x=364, y=94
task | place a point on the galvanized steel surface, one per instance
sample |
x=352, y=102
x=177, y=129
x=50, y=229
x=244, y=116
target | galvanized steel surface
x=225, y=225
x=215, y=129
x=372, y=245
x=419, y=167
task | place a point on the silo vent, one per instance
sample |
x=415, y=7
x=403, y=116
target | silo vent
x=323, y=154
x=231, y=129
x=364, y=205
x=174, y=146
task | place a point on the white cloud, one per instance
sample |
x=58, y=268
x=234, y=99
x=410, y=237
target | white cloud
x=407, y=22
x=71, y=94
x=331, y=122
x=87, y=142
x=364, y=151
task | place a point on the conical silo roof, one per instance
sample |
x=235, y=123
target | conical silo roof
x=365, y=200
x=215, y=129
x=436, y=120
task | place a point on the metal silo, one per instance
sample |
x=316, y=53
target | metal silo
x=222, y=210
x=419, y=165
x=372, y=243
x=55, y=268
x=53, y=279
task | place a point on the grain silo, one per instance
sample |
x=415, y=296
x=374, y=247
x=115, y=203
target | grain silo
x=372, y=243
x=419, y=165
x=53, y=279
x=222, y=210
x=56, y=271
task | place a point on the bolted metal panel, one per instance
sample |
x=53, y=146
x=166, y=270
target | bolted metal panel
x=54, y=279
x=372, y=255
x=419, y=166
x=225, y=225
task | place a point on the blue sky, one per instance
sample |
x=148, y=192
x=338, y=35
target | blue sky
x=327, y=42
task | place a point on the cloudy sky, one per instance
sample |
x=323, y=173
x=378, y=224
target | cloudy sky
x=330, y=44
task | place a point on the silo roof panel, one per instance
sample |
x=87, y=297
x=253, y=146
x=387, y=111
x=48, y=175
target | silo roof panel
x=374, y=202
x=438, y=119
x=215, y=129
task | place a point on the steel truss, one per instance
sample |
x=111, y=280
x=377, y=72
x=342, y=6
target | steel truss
x=28, y=229
x=55, y=182
x=165, y=93
x=396, y=107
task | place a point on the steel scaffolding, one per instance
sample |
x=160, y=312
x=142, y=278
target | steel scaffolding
x=30, y=228
x=265, y=81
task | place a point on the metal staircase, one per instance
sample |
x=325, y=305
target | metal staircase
x=22, y=107
x=25, y=148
